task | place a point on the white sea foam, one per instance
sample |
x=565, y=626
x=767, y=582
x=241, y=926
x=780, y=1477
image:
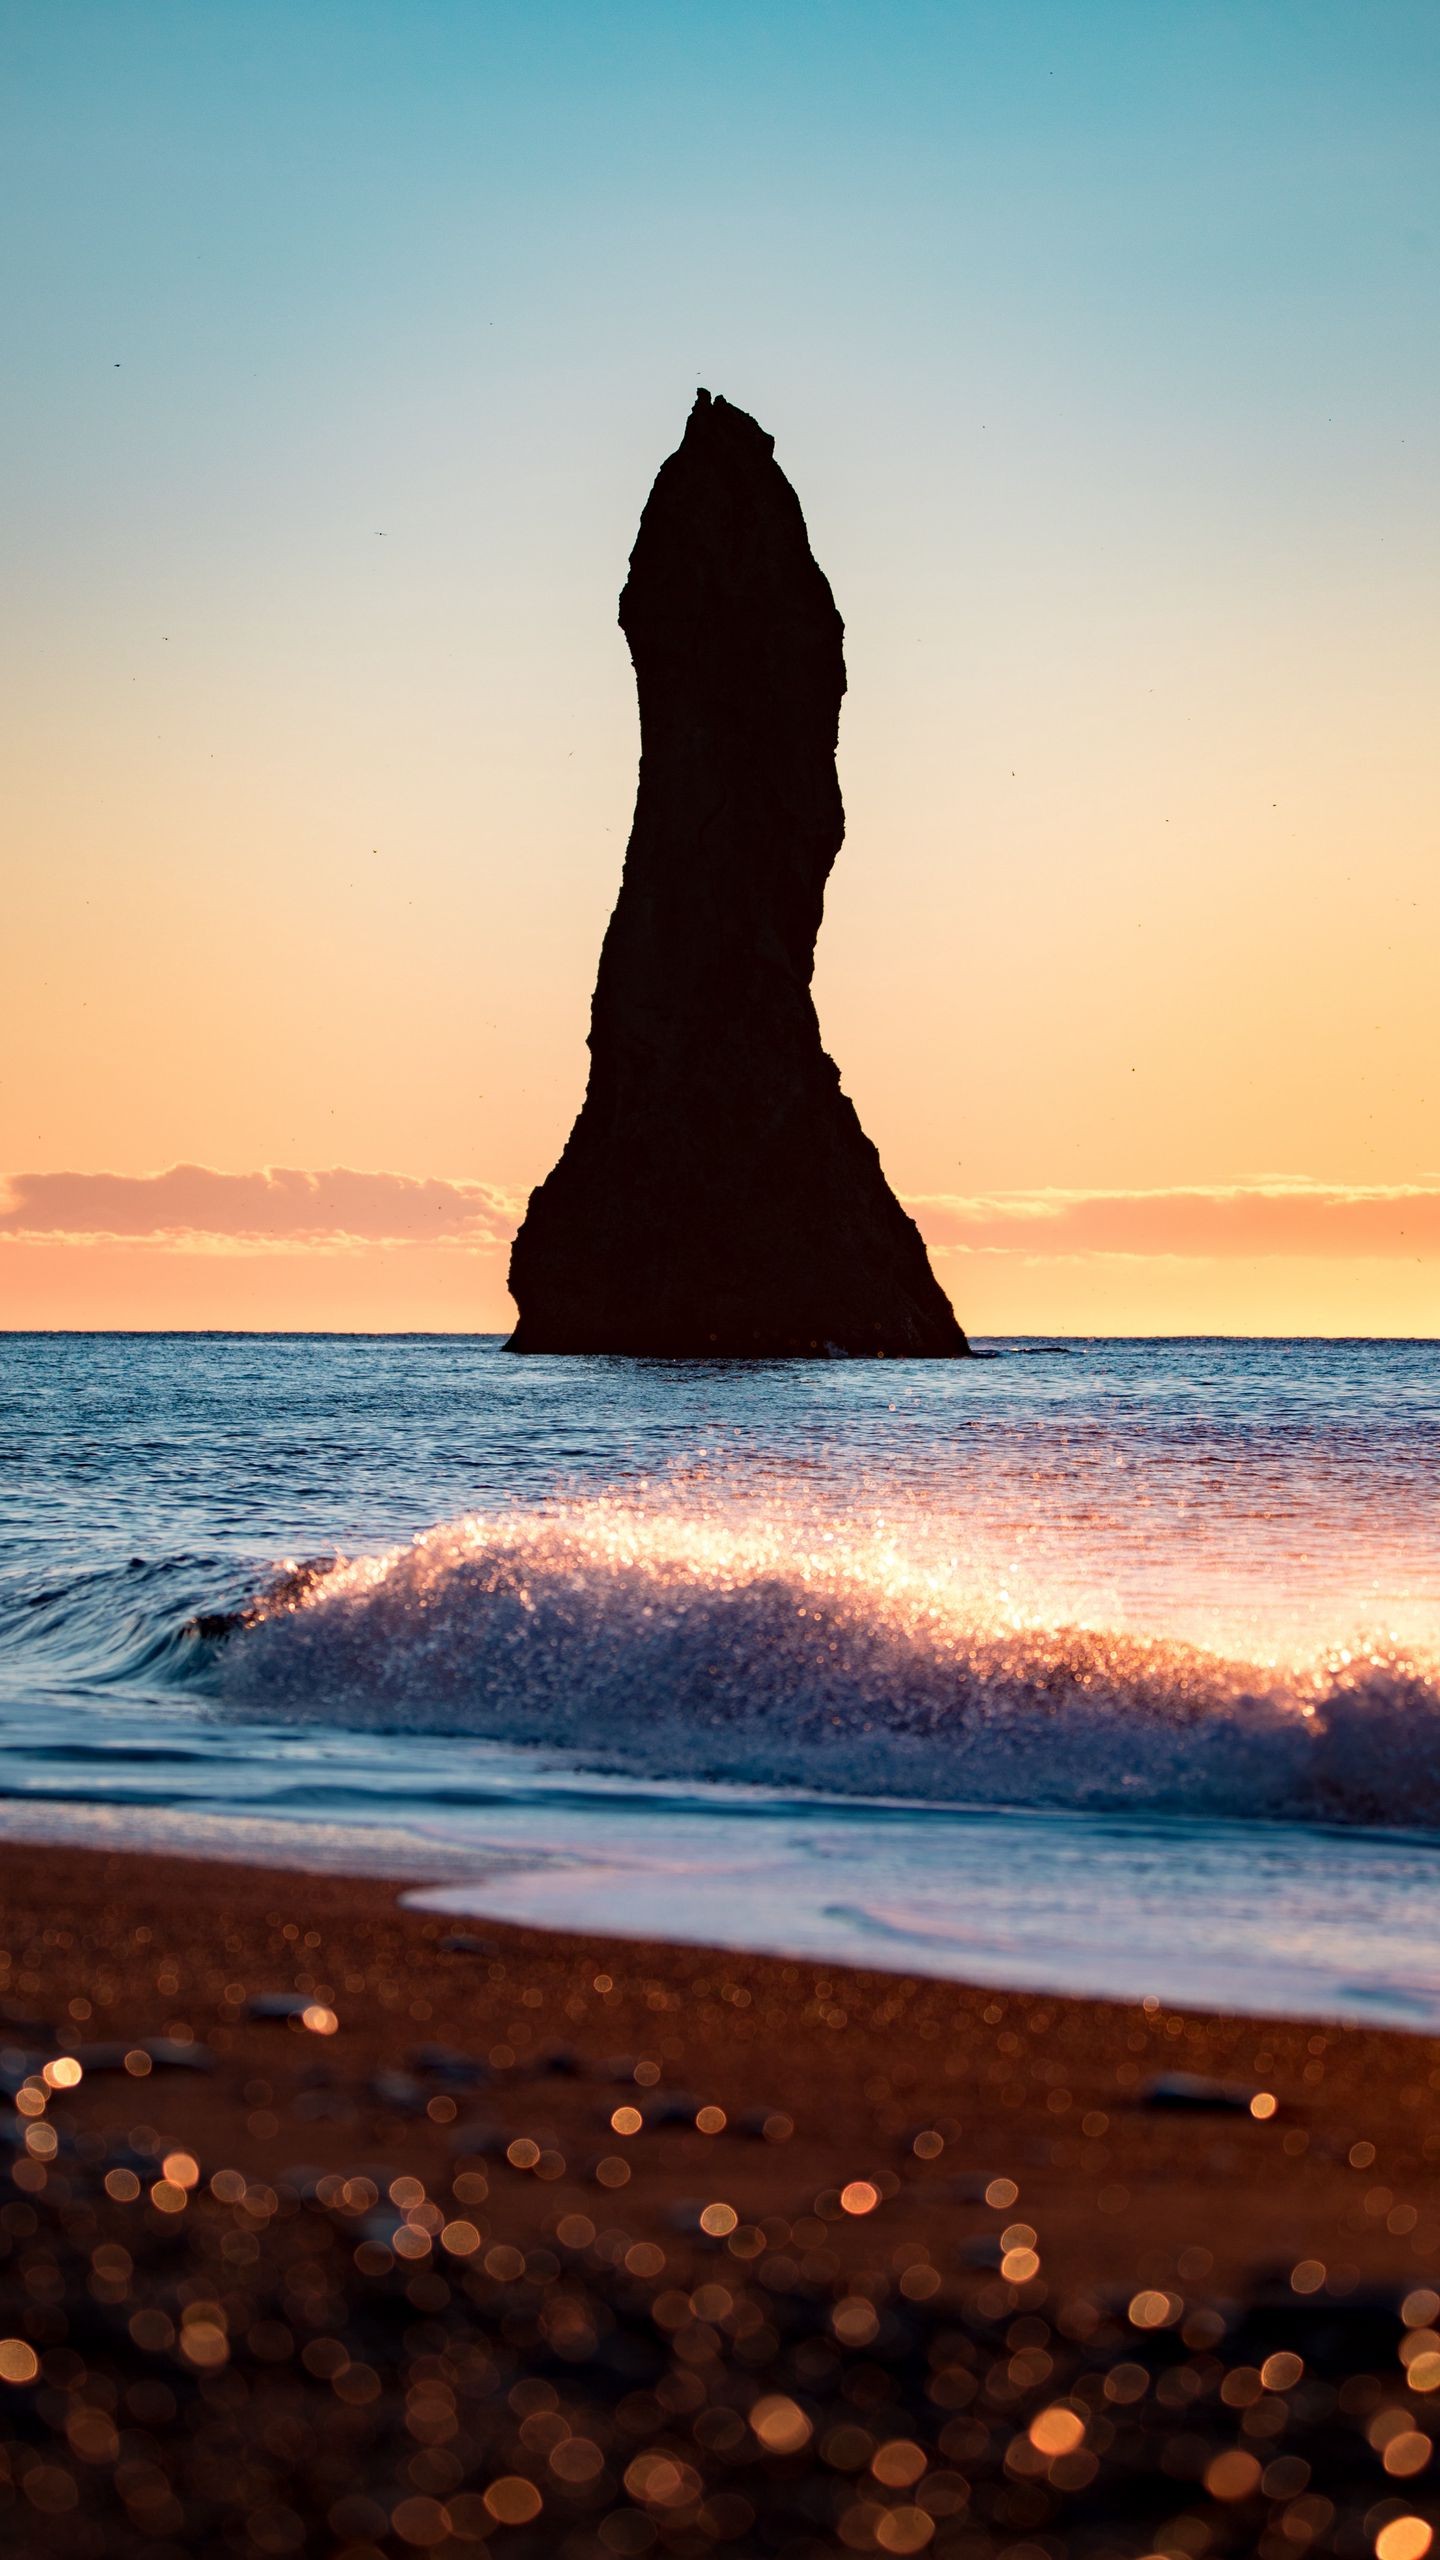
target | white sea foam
x=774, y=1651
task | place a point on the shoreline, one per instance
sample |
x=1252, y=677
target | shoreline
x=861, y=2052
x=877, y=2157
x=498, y=1883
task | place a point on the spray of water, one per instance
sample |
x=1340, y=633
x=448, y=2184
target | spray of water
x=773, y=1648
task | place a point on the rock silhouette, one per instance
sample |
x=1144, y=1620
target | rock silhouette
x=717, y=1196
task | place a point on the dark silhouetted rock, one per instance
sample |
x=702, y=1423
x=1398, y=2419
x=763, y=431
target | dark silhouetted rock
x=717, y=1196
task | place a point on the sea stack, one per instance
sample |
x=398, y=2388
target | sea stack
x=717, y=1197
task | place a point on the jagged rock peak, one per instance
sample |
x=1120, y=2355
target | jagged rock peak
x=717, y=1196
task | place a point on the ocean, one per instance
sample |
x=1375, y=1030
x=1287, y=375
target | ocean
x=1094, y=1665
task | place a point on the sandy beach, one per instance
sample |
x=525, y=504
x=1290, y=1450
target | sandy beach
x=598, y=2246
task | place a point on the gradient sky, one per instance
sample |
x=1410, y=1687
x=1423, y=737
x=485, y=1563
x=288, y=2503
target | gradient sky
x=1101, y=342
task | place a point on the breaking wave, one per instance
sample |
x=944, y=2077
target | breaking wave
x=670, y=1646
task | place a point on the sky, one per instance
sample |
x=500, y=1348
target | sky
x=1099, y=339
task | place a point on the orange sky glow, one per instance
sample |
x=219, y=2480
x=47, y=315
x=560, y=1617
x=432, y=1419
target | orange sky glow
x=377, y=1252
x=1101, y=348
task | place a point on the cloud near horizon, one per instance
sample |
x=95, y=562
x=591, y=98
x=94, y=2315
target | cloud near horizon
x=192, y=1208
x=1287, y=1215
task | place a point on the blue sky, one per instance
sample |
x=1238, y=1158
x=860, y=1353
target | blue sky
x=1101, y=344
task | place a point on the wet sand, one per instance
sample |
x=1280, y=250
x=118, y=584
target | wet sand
x=599, y=2247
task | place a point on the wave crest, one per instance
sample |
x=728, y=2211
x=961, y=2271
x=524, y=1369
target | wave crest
x=670, y=1648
